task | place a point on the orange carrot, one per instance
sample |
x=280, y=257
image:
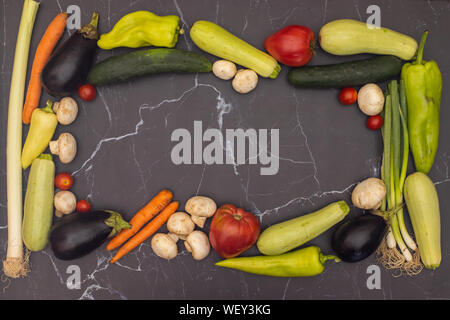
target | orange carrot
x=147, y=231
x=159, y=202
x=44, y=50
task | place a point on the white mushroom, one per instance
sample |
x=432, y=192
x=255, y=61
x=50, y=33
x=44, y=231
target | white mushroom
x=65, y=202
x=164, y=246
x=199, y=221
x=201, y=206
x=245, y=81
x=371, y=99
x=180, y=223
x=369, y=194
x=66, y=110
x=65, y=147
x=224, y=69
x=197, y=243
x=173, y=236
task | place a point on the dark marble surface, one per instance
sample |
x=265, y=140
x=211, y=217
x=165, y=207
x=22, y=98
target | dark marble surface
x=124, y=154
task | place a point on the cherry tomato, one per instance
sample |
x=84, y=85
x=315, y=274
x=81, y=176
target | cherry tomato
x=87, y=92
x=374, y=122
x=348, y=96
x=64, y=181
x=83, y=206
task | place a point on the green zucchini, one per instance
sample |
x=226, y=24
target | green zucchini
x=423, y=206
x=217, y=41
x=146, y=62
x=347, y=74
x=38, y=207
x=285, y=236
x=347, y=37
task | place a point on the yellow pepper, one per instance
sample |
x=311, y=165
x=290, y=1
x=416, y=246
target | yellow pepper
x=42, y=127
x=142, y=29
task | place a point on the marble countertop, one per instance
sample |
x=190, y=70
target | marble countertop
x=124, y=155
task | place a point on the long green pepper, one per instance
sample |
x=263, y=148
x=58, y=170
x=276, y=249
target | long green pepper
x=306, y=262
x=423, y=86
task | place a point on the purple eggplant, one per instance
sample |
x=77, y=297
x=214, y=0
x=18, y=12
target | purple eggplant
x=80, y=233
x=357, y=238
x=69, y=65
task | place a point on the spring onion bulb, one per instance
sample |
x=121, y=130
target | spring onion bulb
x=15, y=265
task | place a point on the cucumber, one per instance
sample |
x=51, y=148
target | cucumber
x=38, y=207
x=347, y=74
x=285, y=236
x=146, y=62
x=347, y=37
x=217, y=41
x=423, y=206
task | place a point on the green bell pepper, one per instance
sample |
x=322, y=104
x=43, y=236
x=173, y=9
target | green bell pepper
x=142, y=29
x=423, y=84
x=304, y=262
x=42, y=127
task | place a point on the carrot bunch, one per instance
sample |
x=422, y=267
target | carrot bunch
x=160, y=208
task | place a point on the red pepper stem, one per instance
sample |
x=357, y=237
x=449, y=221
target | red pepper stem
x=421, y=46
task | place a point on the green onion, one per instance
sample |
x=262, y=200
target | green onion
x=395, y=165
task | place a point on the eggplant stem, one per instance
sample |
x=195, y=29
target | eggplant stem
x=116, y=222
x=90, y=31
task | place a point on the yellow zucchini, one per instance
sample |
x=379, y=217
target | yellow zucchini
x=423, y=206
x=346, y=37
x=217, y=41
x=38, y=208
x=282, y=237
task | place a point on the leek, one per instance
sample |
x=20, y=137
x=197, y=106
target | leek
x=15, y=265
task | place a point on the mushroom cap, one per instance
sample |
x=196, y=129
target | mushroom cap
x=201, y=206
x=371, y=99
x=369, y=193
x=199, y=221
x=180, y=223
x=65, y=147
x=245, y=80
x=198, y=244
x=164, y=246
x=65, y=202
x=66, y=110
x=224, y=69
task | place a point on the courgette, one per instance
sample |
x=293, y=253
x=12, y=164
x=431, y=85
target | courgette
x=38, y=207
x=423, y=206
x=347, y=74
x=146, y=62
x=285, y=236
x=347, y=37
x=217, y=41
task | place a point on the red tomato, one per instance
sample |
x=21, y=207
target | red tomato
x=233, y=231
x=293, y=45
x=83, y=206
x=374, y=122
x=348, y=96
x=64, y=181
x=87, y=92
